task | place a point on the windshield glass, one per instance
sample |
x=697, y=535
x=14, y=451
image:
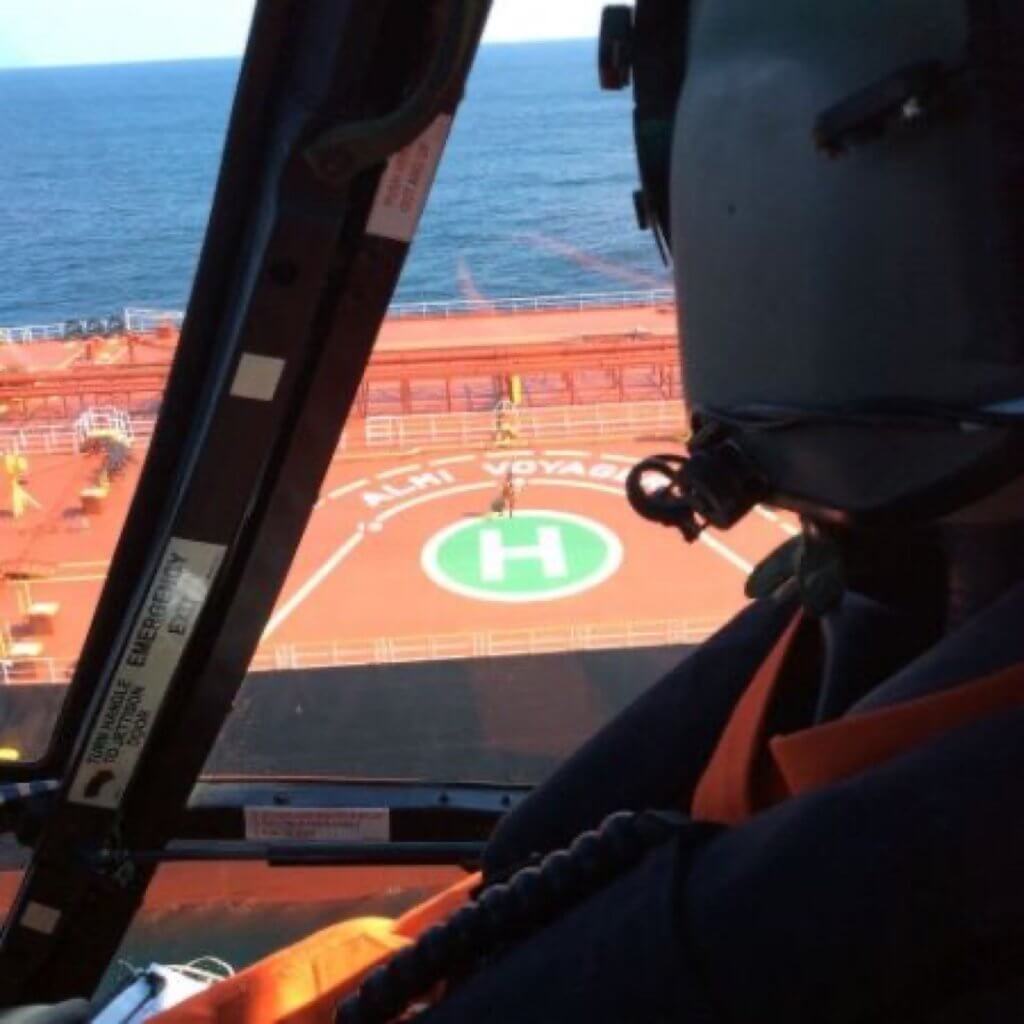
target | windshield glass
x=473, y=594
x=107, y=178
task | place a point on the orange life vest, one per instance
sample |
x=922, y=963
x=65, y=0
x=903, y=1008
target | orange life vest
x=304, y=983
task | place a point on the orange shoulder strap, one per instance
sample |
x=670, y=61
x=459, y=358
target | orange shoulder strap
x=836, y=750
x=730, y=790
x=750, y=771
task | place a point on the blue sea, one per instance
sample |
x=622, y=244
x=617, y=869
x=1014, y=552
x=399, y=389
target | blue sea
x=107, y=173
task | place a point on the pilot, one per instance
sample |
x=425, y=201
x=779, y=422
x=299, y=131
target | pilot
x=841, y=186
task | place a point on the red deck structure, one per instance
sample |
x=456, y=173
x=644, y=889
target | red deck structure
x=599, y=389
x=457, y=364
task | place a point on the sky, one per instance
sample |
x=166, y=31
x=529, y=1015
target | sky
x=37, y=33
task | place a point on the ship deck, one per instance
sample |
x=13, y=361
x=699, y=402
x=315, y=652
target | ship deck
x=406, y=334
x=361, y=588
x=358, y=591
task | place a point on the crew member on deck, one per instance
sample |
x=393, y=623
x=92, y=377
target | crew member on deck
x=847, y=231
x=508, y=494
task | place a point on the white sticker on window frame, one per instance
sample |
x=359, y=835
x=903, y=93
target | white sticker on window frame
x=257, y=377
x=406, y=183
x=157, y=640
x=318, y=824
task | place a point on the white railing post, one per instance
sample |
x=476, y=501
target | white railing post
x=485, y=644
x=143, y=319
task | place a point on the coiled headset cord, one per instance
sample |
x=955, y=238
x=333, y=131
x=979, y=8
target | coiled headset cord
x=509, y=912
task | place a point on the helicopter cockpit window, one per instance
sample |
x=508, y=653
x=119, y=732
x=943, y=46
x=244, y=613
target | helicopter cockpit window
x=471, y=555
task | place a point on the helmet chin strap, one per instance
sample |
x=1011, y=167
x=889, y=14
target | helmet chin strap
x=716, y=485
x=941, y=571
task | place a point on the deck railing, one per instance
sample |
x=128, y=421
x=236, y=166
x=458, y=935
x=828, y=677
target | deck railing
x=140, y=319
x=531, y=425
x=385, y=434
x=32, y=332
x=386, y=650
x=490, y=644
x=534, y=304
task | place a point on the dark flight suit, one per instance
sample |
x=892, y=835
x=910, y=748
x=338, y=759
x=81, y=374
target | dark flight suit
x=892, y=891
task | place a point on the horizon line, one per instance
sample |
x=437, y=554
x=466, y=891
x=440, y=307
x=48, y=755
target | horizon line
x=135, y=62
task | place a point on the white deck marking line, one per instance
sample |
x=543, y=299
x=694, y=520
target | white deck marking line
x=526, y=453
x=412, y=467
x=332, y=563
x=382, y=451
x=584, y=485
x=624, y=459
x=314, y=581
x=488, y=485
x=69, y=579
x=726, y=552
x=356, y=485
x=451, y=460
x=765, y=513
x=567, y=453
x=389, y=513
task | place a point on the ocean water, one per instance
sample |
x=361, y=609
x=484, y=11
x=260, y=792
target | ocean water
x=106, y=177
